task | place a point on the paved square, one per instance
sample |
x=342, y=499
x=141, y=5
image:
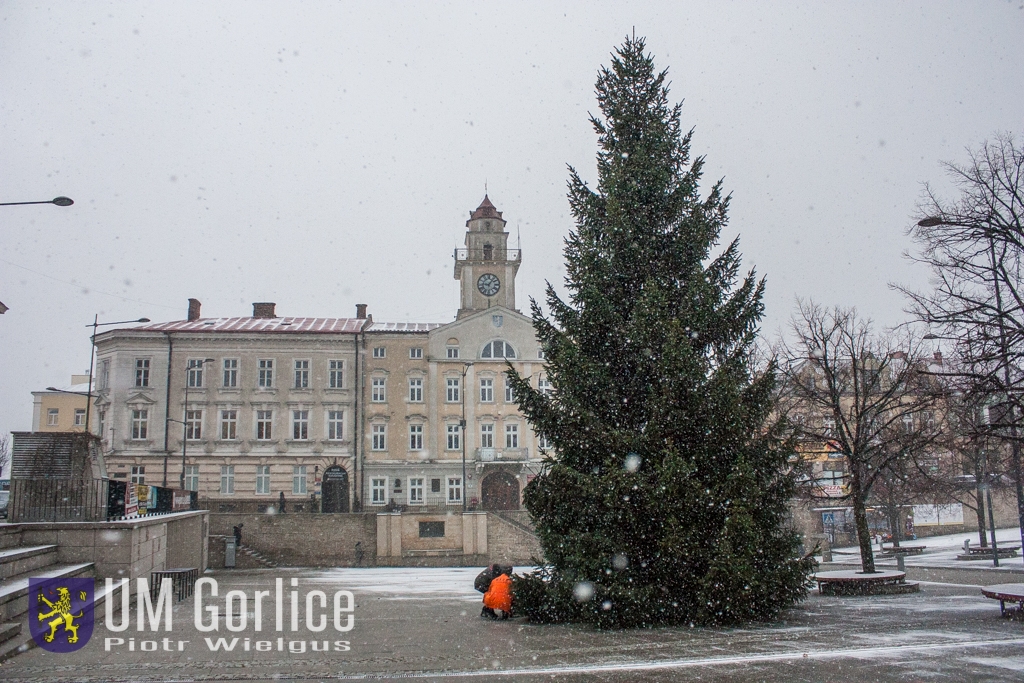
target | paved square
x=425, y=624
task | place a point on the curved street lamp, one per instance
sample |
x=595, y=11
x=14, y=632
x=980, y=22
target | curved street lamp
x=59, y=201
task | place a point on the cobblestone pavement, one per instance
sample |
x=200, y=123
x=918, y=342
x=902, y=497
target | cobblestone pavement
x=424, y=624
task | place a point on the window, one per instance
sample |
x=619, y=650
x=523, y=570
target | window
x=415, y=491
x=80, y=417
x=828, y=426
x=435, y=486
x=193, y=425
x=908, y=424
x=453, y=351
x=142, y=372
x=509, y=398
x=497, y=320
x=486, y=436
x=486, y=390
x=300, y=425
x=195, y=373
x=378, y=491
x=498, y=349
x=379, y=438
x=227, y=479
x=379, y=352
x=415, y=437
x=266, y=373
x=454, y=489
x=229, y=425
x=53, y=417
x=431, y=529
x=299, y=479
x=544, y=443
x=511, y=436
x=416, y=353
x=416, y=390
x=140, y=424
x=377, y=394
x=540, y=354
x=454, y=443
x=264, y=425
x=302, y=374
x=230, y=373
x=104, y=378
x=927, y=418
x=544, y=386
x=138, y=474
x=335, y=419
x=335, y=375
x=263, y=479
x=191, y=477
x=452, y=395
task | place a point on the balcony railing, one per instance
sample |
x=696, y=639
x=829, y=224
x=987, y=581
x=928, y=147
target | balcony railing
x=488, y=255
x=502, y=454
x=424, y=500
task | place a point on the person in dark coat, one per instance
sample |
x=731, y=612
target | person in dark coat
x=238, y=534
x=280, y=505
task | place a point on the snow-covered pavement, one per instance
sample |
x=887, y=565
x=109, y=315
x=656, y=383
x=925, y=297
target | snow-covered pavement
x=424, y=624
x=941, y=552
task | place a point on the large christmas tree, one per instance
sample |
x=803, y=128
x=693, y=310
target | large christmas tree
x=665, y=501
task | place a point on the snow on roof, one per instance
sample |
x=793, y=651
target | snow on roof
x=284, y=325
x=403, y=327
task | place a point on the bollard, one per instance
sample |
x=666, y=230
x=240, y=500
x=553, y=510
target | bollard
x=229, y=553
x=967, y=546
x=899, y=562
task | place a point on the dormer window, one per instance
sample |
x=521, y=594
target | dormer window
x=498, y=349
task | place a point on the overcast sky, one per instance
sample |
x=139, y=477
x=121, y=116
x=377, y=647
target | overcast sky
x=323, y=154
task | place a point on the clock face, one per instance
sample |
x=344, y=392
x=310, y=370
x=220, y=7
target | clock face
x=488, y=284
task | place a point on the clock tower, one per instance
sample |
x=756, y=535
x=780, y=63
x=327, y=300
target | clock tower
x=486, y=268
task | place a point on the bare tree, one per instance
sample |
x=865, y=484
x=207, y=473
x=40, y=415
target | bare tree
x=974, y=247
x=5, y=451
x=866, y=396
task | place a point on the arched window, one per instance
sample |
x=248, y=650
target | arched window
x=498, y=349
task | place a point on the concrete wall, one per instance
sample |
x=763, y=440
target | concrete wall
x=127, y=549
x=510, y=543
x=299, y=540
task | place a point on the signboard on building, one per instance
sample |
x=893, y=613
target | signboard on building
x=182, y=500
x=131, y=501
x=832, y=491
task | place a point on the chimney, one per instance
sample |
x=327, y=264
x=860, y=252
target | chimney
x=361, y=311
x=263, y=310
x=938, y=357
x=193, y=309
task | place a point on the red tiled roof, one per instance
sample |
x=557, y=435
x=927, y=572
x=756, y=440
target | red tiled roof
x=403, y=327
x=485, y=210
x=283, y=325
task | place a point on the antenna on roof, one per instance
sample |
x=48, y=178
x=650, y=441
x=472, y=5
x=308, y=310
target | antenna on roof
x=485, y=187
x=519, y=238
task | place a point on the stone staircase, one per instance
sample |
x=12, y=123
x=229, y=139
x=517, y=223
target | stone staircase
x=18, y=563
x=258, y=557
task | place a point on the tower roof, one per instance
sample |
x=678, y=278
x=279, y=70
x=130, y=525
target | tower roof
x=485, y=210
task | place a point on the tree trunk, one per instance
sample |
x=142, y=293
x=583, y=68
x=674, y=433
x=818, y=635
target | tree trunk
x=979, y=495
x=860, y=518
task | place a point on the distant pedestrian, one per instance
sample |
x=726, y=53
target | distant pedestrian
x=280, y=504
x=238, y=534
x=359, y=553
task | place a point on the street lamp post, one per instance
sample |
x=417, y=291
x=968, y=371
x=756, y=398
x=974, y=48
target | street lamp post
x=59, y=201
x=462, y=433
x=189, y=365
x=92, y=352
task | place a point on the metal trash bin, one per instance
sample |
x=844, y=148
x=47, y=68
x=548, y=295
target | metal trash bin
x=229, y=552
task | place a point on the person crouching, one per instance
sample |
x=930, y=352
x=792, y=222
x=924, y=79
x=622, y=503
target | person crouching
x=498, y=598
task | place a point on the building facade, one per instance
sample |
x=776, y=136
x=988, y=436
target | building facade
x=62, y=409
x=336, y=414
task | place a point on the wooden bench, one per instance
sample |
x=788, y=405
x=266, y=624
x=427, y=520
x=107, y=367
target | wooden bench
x=849, y=582
x=1004, y=593
x=902, y=550
x=977, y=552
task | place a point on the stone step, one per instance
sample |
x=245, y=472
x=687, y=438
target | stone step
x=14, y=561
x=10, y=535
x=9, y=630
x=14, y=591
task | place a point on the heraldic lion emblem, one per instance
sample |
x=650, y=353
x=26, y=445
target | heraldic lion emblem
x=62, y=611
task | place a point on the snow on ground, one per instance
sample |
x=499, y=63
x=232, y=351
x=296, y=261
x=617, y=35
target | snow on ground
x=941, y=551
x=398, y=583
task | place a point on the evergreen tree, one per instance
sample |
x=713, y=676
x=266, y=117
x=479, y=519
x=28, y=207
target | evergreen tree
x=666, y=501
